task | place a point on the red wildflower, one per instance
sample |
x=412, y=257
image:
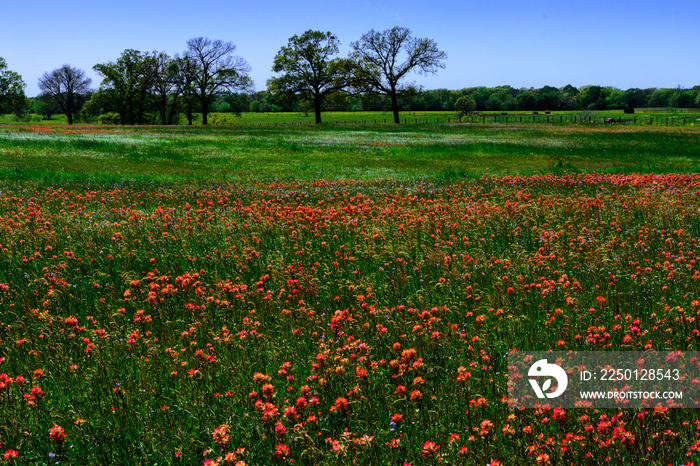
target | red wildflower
x=57, y=435
x=282, y=450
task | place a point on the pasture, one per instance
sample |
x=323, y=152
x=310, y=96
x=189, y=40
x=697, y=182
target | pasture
x=302, y=295
x=650, y=117
x=337, y=151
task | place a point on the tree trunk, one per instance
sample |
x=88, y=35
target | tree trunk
x=189, y=110
x=205, y=109
x=130, y=112
x=174, y=105
x=395, y=108
x=163, y=108
x=317, y=109
x=69, y=108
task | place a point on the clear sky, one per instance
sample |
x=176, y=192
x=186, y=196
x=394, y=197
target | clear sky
x=528, y=43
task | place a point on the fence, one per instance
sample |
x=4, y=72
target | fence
x=584, y=118
x=588, y=119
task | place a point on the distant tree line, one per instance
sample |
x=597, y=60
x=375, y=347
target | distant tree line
x=156, y=88
x=507, y=98
x=485, y=99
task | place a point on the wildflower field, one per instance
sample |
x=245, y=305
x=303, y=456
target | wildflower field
x=338, y=295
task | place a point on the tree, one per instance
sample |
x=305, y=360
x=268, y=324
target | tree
x=127, y=85
x=502, y=98
x=12, y=98
x=593, y=97
x=526, y=101
x=635, y=98
x=548, y=98
x=215, y=70
x=616, y=100
x=464, y=105
x=238, y=103
x=166, y=88
x=379, y=67
x=68, y=87
x=569, y=90
x=661, y=98
x=683, y=98
x=184, y=77
x=481, y=96
x=46, y=106
x=309, y=69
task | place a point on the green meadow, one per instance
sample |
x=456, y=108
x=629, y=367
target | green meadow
x=276, y=151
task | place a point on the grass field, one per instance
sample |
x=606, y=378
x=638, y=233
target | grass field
x=340, y=151
x=663, y=117
x=303, y=295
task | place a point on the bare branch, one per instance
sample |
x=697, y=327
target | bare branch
x=215, y=70
x=66, y=85
x=383, y=59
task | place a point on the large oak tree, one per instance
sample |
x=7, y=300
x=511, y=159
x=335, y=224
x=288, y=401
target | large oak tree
x=216, y=70
x=383, y=59
x=127, y=86
x=68, y=87
x=309, y=69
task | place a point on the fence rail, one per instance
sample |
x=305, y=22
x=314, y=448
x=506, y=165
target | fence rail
x=628, y=119
x=541, y=118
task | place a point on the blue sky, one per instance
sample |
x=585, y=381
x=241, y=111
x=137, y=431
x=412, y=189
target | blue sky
x=623, y=43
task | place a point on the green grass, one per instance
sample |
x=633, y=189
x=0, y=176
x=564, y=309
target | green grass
x=269, y=118
x=337, y=151
x=380, y=118
x=9, y=119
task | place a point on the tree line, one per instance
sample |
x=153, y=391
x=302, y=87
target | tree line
x=310, y=77
x=507, y=98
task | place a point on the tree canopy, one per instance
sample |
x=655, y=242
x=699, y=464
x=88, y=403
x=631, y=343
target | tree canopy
x=12, y=98
x=68, y=86
x=126, y=87
x=383, y=59
x=464, y=105
x=309, y=69
x=216, y=70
